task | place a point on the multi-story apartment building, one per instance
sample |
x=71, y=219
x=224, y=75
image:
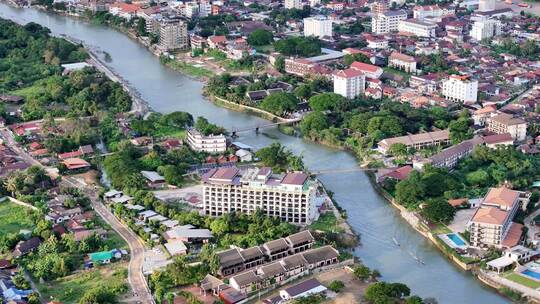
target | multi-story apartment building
x=290, y=197
x=317, y=26
x=379, y=7
x=402, y=62
x=416, y=141
x=387, y=22
x=491, y=225
x=486, y=5
x=202, y=143
x=173, y=35
x=429, y=11
x=370, y=70
x=460, y=88
x=417, y=27
x=349, y=83
x=484, y=28
x=375, y=42
x=507, y=123
x=299, y=66
x=289, y=4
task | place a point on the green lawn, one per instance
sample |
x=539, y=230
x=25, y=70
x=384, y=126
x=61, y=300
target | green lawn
x=71, y=288
x=189, y=69
x=13, y=218
x=523, y=280
x=326, y=222
x=265, y=49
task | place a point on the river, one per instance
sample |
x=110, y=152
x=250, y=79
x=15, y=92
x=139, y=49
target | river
x=369, y=214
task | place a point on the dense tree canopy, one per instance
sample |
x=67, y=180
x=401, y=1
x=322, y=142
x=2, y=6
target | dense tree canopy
x=298, y=46
x=260, y=37
x=279, y=103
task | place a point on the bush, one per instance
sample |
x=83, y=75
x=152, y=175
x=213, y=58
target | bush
x=336, y=286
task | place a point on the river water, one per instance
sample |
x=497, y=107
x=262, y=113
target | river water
x=369, y=214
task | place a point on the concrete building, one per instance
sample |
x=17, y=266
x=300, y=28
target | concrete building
x=349, y=83
x=416, y=141
x=379, y=7
x=417, y=27
x=202, y=143
x=370, y=70
x=173, y=35
x=317, y=26
x=460, y=88
x=429, y=11
x=387, y=22
x=491, y=225
x=289, y=4
x=402, y=62
x=484, y=28
x=486, y=5
x=507, y=123
x=291, y=196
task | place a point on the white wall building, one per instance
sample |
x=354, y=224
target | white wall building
x=486, y=5
x=317, y=26
x=210, y=143
x=484, y=28
x=429, y=11
x=460, y=88
x=417, y=27
x=349, y=83
x=293, y=4
x=506, y=123
x=291, y=197
x=387, y=22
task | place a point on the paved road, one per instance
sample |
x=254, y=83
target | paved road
x=137, y=248
x=533, y=229
x=136, y=278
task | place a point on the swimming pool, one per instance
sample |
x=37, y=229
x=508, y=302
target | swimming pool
x=532, y=274
x=456, y=239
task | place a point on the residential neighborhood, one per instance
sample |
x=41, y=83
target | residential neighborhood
x=275, y=152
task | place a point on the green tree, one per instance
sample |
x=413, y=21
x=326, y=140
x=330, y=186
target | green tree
x=438, y=211
x=409, y=192
x=326, y=102
x=279, y=103
x=350, y=58
x=398, y=149
x=313, y=122
x=362, y=272
x=336, y=286
x=260, y=37
x=459, y=130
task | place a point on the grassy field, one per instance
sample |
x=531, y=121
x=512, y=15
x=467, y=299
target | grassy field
x=327, y=222
x=13, y=218
x=191, y=70
x=71, y=288
x=523, y=280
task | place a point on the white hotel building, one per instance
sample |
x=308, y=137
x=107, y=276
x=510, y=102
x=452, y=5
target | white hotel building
x=387, y=22
x=417, y=27
x=349, y=83
x=290, y=196
x=491, y=225
x=460, y=88
x=317, y=26
x=201, y=143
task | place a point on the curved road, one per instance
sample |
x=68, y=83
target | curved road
x=136, y=278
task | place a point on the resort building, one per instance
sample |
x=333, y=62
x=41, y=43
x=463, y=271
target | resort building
x=173, y=35
x=278, y=271
x=290, y=196
x=417, y=27
x=507, y=123
x=492, y=223
x=416, y=141
x=460, y=88
x=402, y=62
x=202, y=143
x=449, y=157
x=317, y=26
x=236, y=260
x=387, y=22
x=349, y=83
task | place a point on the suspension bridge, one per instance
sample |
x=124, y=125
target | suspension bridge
x=234, y=132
